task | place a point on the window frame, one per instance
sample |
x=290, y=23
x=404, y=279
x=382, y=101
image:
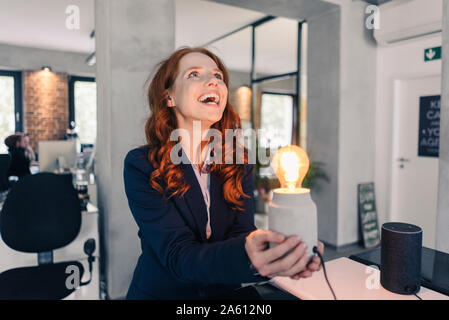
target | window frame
x=18, y=97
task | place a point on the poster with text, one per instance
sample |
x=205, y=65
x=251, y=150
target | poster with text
x=429, y=126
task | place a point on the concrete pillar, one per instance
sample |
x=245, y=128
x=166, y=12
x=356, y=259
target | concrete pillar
x=323, y=108
x=442, y=235
x=132, y=36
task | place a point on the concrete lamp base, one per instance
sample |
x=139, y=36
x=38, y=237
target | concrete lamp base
x=294, y=213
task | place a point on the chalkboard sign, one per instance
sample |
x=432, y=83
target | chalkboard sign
x=429, y=126
x=368, y=215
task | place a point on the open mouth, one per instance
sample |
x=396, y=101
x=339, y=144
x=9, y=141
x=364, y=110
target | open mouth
x=210, y=98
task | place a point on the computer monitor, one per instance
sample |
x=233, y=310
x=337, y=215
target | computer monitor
x=54, y=155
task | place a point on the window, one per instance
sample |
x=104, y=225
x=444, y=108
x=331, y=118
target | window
x=276, y=119
x=83, y=107
x=10, y=105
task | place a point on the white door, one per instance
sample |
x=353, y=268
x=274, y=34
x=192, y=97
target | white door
x=414, y=178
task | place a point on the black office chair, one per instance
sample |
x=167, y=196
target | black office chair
x=42, y=213
x=5, y=162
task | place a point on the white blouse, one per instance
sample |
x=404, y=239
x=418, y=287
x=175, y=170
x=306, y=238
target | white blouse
x=204, y=182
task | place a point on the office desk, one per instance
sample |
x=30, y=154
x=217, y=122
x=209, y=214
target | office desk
x=434, y=271
x=10, y=258
x=350, y=280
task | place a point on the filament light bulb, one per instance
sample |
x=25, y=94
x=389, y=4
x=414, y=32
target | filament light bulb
x=290, y=163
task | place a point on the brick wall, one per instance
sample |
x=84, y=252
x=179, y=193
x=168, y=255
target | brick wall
x=46, y=108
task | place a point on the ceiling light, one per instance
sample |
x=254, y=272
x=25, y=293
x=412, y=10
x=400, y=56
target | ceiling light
x=91, y=59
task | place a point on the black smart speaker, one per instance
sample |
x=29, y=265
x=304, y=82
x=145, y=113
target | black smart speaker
x=400, y=258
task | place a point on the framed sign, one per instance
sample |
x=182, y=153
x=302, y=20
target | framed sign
x=429, y=126
x=368, y=215
x=431, y=54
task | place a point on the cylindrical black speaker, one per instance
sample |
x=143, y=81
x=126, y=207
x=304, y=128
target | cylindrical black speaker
x=400, y=259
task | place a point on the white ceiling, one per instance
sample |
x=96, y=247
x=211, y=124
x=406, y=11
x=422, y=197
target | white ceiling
x=199, y=21
x=42, y=24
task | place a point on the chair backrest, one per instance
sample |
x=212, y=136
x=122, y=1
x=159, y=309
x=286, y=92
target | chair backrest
x=5, y=162
x=41, y=213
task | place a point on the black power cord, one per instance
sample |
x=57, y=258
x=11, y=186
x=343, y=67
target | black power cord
x=413, y=290
x=315, y=250
x=89, y=248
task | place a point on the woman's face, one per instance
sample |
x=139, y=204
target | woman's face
x=199, y=91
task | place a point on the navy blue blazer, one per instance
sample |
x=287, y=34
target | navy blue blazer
x=177, y=260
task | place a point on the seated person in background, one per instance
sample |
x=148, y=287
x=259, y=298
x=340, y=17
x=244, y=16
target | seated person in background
x=20, y=163
x=28, y=149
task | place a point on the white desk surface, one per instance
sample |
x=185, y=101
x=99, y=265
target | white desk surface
x=351, y=281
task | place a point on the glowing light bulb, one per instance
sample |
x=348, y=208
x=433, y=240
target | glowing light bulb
x=292, y=210
x=291, y=163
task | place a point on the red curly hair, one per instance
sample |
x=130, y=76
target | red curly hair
x=163, y=121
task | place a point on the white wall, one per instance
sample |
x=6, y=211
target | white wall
x=398, y=61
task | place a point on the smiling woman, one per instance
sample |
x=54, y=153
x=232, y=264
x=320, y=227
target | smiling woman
x=196, y=222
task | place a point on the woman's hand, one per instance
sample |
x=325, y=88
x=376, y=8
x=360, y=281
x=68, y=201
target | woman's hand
x=268, y=262
x=313, y=266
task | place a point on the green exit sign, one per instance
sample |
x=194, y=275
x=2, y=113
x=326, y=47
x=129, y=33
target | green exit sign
x=431, y=54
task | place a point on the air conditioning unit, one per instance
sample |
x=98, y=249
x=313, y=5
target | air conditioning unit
x=408, y=20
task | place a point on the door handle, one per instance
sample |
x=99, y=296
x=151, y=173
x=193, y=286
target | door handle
x=402, y=161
